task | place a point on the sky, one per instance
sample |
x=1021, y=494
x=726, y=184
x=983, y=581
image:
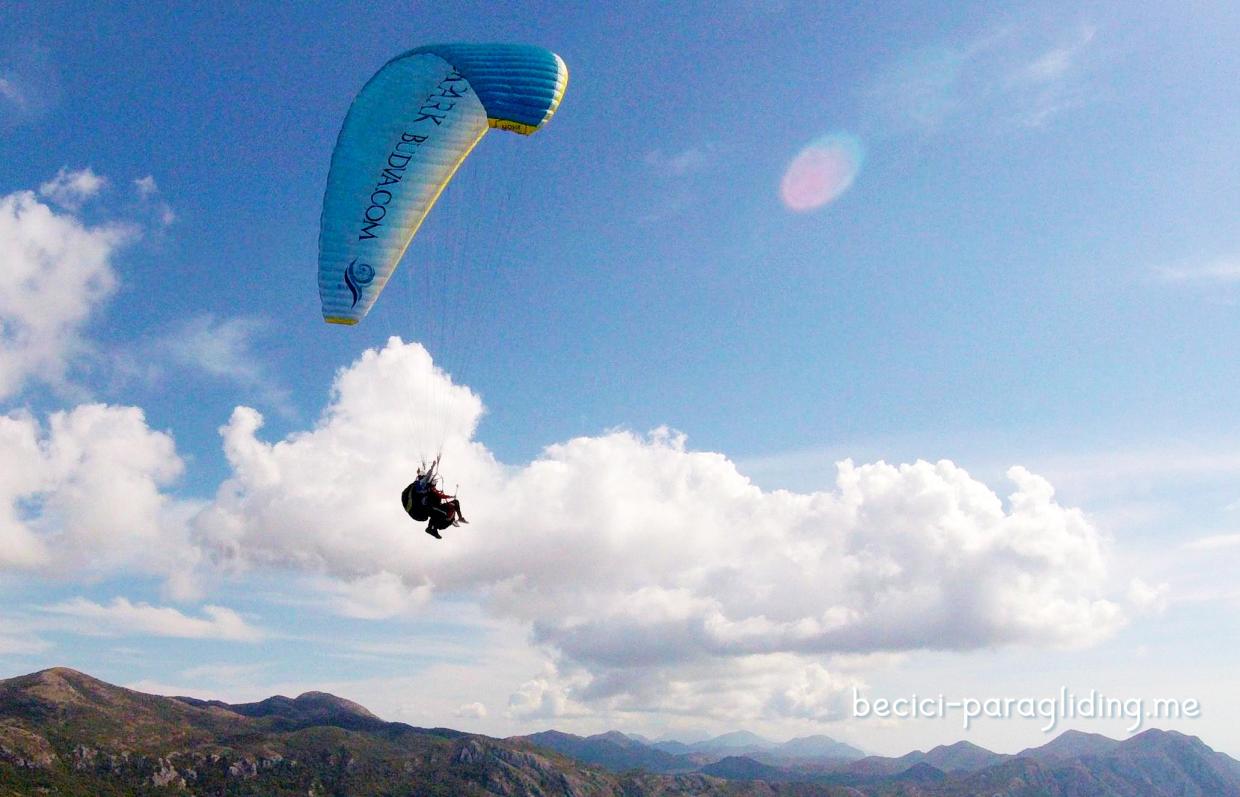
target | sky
x=809, y=352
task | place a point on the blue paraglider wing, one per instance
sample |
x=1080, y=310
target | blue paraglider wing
x=407, y=132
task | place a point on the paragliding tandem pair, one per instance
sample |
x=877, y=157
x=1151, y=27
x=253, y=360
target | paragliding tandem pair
x=423, y=500
x=407, y=132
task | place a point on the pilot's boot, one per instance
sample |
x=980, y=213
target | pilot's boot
x=434, y=532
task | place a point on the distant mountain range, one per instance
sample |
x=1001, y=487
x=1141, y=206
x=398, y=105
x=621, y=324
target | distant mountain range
x=65, y=733
x=621, y=752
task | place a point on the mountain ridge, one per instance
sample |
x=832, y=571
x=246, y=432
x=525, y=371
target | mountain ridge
x=66, y=733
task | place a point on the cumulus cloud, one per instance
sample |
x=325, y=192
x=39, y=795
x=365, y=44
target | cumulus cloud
x=542, y=698
x=329, y=497
x=85, y=496
x=816, y=694
x=766, y=686
x=57, y=272
x=21, y=476
x=70, y=189
x=681, y=569
x=475, y=711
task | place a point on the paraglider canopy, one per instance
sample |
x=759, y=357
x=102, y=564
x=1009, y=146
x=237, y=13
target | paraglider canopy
x=407, y=132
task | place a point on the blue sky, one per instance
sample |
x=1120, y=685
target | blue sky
x=1036, y=264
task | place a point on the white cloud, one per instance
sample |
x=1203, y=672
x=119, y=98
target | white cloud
x=70, y=189
x=123, y=618
x=679, y=564
x=85, y=496
x=224, y=349
x=225, y=673
x=475, y=711
x=29, y=84
x=17, y=645
x=777, y=686
x=146, y=186
x=19, y=637
x=817, y=694
x=1148, y=597
x=678, y=164
x=57, y=272
x=10, y=92
x=677, y=186
x=22, y=475
x=376, y=597
x=1054, y=64
x=1215, y=271
x=1214, y=542
x=1007, y=75
x=330, y=498
x=542, y=699
x=148, y=194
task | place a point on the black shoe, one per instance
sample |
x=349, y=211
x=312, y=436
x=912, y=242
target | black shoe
x=434, y=532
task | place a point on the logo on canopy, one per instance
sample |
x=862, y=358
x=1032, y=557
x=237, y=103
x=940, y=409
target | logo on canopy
x=357, y=275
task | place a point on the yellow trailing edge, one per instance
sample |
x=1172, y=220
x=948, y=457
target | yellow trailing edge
x=333, y=319
x=511, y=126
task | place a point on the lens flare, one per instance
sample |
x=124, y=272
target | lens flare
x=821, y=172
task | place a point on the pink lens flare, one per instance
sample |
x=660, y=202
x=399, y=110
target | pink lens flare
x=821, y=172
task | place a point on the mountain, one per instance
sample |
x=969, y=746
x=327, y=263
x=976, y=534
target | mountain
x=1070, y=744
x=303, y=711
x=741, y=768
x=67, y=734
x=612, y=750
x=1153, y=764
x=922, y=772
x=1164, y=758
x=960, y=757
x=734, y=741
x=64, y=733
x=816, y=747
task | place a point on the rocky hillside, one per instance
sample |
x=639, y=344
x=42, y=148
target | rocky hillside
x=65, y=733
